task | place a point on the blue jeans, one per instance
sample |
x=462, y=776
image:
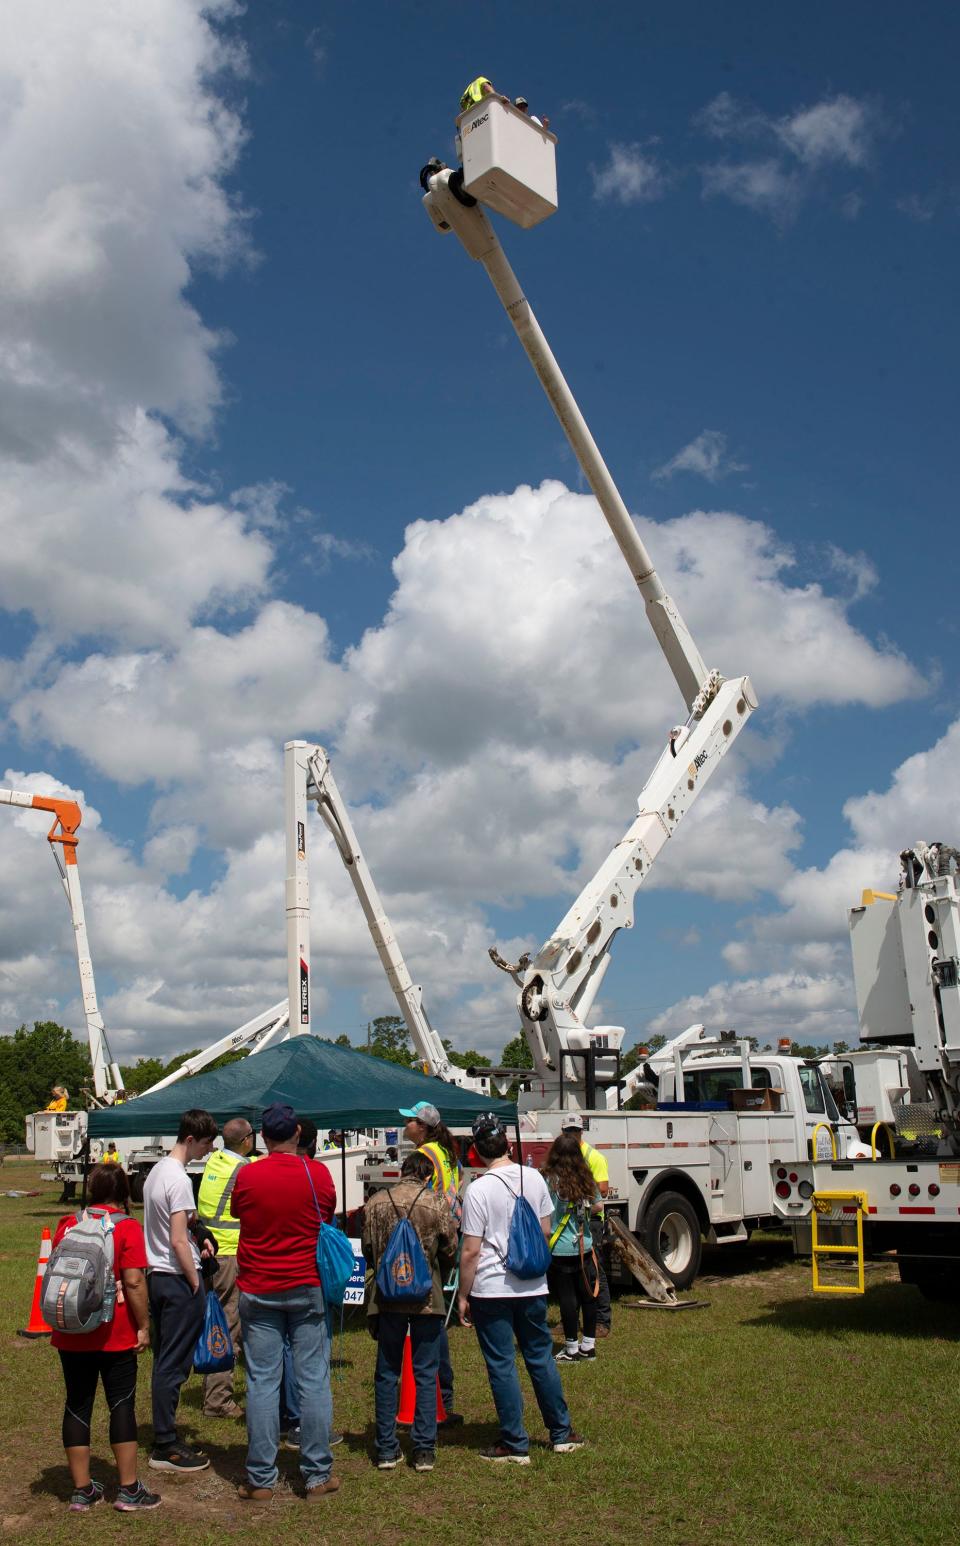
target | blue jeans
x=425, y=1340
x=445, y=1369
x=289, y=1399
x=497, y=1322
x=266, y=1319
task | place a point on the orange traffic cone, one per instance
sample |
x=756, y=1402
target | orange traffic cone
x=37, y=1326
x=408, y=1389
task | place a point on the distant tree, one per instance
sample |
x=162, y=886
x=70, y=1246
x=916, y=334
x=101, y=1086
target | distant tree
x=32, y=1061
x=468, y=1059
x=516, y=1054
x=388, y=1039
x=145, y=1072
x=805, y=1050
x=839, y=1047
x=343, y=1040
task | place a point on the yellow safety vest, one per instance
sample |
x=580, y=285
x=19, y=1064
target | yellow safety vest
x=213, y=1200
x=473, y=93
x=598, y=1165
x=446, y=1177
x=110, y=1159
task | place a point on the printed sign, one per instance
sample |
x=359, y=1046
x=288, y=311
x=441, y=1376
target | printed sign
x=354, y=1293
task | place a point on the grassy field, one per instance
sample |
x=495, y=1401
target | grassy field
x=770, y=1416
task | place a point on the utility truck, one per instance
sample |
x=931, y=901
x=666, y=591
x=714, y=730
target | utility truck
x=902, y=1203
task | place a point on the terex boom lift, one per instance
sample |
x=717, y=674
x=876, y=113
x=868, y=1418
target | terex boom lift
x=509, y=166
x=308, y=778
x=67, y=816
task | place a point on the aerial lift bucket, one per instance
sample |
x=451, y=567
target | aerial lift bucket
x=509, y=162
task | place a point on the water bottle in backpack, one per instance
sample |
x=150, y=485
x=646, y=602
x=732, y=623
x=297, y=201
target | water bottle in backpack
x=79, y=1290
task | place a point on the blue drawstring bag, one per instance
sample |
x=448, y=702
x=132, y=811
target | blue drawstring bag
x=404, y=1279
x=213, y=1353
x=335, y=1260
x=528, y=1254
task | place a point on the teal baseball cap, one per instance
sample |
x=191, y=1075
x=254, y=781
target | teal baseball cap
x=423, y=1112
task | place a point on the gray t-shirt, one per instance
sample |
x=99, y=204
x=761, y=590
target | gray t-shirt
x=488, y=1207
x=167, y=1190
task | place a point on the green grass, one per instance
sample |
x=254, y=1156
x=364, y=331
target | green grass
x=769, y=1417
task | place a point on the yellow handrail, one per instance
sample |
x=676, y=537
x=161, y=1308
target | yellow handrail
x=813, y=1140
x=873, y=1139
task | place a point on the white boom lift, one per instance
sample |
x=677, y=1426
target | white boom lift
x=67, y=817
x=509, y=165
x=308, y=778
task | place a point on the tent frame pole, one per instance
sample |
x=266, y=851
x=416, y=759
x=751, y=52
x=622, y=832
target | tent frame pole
x=343, y=1182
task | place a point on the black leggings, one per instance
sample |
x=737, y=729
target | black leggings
x=573, y=1295
x=118, y=1371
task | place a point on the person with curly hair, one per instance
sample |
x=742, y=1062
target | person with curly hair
x=573, y=1277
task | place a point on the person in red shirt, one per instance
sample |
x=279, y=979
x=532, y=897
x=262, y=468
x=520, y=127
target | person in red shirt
x=108, y=1354
x=280, y=1202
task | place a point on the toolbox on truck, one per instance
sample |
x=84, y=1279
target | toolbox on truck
x=755, y=1100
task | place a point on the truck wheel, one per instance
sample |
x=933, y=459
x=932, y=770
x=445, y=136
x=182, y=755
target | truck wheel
x=136, y=1186
x=671, y=1233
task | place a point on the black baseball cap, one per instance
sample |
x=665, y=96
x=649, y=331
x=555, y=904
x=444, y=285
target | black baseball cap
x=488, y=1122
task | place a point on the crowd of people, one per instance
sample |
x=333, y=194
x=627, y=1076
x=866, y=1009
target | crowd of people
x=251, y=1238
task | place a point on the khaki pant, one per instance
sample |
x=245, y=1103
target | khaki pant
x=218, y=1388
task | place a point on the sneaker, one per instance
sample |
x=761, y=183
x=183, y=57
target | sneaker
x=569, y=1444
x=82, y=1499
x=452, y=1420
x=291, y=1438
x=136, y=1499
x=232, y=1410
x=565, y=1355
x=388, y=1462
x=423, y=1460
x=587, y=1352
x=500, y=1452
x=178, y=1457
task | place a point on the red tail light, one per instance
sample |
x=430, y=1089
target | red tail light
x=782, y=1189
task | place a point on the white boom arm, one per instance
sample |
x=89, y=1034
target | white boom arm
x=559, y=983
x=66, y=819
x=309, y=778
x=266, y=1030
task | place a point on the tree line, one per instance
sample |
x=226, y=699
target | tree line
x=31, y=1061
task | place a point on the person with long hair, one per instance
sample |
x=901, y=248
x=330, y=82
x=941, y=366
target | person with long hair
x=108, y=1354
x=427, y=1129
x=573, y=1278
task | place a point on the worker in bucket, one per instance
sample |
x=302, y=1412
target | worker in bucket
x=475, y=92
x=523, y=106
x=59, y=1095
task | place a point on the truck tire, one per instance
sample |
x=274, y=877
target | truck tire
x=671, y=1233
x=136, y=1186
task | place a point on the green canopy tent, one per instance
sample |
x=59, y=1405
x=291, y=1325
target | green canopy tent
x=333, y=1086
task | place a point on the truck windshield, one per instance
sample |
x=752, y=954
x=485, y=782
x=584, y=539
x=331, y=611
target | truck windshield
x=816, y=1093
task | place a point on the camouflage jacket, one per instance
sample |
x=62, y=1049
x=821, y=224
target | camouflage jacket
x=436, y=1231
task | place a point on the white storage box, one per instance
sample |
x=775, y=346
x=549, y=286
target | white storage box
x=509, y=162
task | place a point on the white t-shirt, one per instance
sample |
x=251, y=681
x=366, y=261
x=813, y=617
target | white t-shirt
x=487, y=1211
x=167, y=1190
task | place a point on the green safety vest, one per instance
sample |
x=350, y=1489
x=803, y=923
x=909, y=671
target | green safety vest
x=213, y=1200
x=473, y=93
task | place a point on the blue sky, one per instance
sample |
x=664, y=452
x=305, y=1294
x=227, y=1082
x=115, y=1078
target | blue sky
x=275, y=466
